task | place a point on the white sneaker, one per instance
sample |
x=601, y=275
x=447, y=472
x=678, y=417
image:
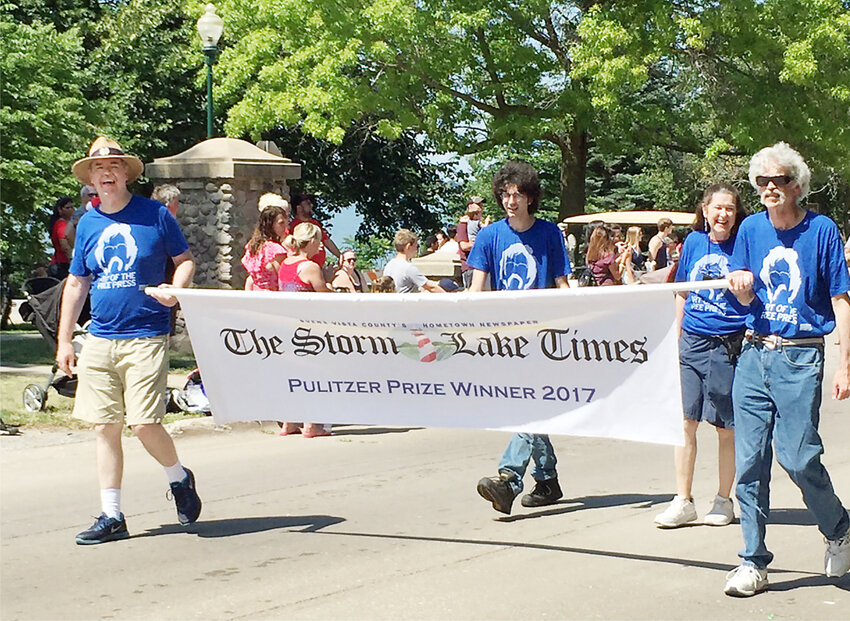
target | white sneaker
x=680, y=512
x=721, y=513
x=837, y=558
x=745, y=581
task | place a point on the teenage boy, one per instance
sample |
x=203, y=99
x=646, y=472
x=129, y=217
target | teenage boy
x=407, y=277
x=520, y=252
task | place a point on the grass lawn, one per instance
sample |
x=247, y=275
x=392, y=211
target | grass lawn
x=25, y=350
x=57, y=412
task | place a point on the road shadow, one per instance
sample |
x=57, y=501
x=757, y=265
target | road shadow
x=792, y=517
x=520, y=545
x=214, y=529
x=569, y=505
x=810, y=581
x=369, y=431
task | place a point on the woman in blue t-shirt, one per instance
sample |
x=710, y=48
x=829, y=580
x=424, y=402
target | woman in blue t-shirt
x=711, y=323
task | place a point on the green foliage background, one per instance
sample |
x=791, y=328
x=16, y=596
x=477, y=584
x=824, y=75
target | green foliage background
x=620, y=105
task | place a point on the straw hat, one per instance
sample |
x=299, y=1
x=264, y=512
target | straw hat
x=102, y=149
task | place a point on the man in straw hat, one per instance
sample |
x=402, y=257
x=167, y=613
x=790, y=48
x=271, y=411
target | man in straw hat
x=122, y=248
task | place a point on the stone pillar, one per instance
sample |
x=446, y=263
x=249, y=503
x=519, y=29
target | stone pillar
x=220, y=181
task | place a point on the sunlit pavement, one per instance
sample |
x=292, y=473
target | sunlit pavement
x=386, y=524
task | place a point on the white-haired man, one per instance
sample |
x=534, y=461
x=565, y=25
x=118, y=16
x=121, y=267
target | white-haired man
x=789, y=268
x=168, y=195
x=122, y=248
x=87, y=194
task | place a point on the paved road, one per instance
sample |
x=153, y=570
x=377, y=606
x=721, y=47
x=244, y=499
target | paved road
x=386, y=524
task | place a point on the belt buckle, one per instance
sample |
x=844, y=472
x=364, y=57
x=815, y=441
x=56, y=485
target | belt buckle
x=772, y=341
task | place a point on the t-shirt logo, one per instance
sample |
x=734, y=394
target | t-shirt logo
x=780, y=273
x=517, y=267
x=710, y=267
x=116, y=252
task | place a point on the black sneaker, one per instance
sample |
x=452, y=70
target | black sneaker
x=544, y=493
x=498, y=491
x=103, y=530
x=186, y=498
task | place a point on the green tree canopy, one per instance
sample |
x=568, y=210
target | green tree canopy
x=391, y=183
x=45, y=119
x=710, y=79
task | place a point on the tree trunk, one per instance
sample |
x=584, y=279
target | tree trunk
x=572, y=174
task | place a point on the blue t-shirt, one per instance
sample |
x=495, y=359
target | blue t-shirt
x=125, y=252
x=708, y=311
x=796, y=272
x=532, y=259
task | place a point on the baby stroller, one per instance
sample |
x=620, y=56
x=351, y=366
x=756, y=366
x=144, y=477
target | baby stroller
x=193, y=397
x=42, y=306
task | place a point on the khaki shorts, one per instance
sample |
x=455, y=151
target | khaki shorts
x=122, y=380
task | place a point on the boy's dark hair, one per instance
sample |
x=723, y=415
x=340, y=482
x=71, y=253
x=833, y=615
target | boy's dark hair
x=451, y=231
x=524, y=177
x=299, y=197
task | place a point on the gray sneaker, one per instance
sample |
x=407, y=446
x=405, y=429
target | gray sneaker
x=745, y=581
x=837, y=558
x=721, y=513
x=680, y=512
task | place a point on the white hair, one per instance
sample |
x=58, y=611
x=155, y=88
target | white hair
x=781, y=154
x=165, y=193
x=270, y=199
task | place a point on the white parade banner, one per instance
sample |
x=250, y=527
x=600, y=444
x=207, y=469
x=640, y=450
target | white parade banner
x=599, y=362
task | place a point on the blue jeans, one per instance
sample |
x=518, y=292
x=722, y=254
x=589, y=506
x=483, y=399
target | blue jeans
x=777, y=397
x=525, y=447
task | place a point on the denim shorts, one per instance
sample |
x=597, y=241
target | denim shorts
x=707, y=375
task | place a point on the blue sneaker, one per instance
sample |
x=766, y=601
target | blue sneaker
x=186, y=498
x=103, y=530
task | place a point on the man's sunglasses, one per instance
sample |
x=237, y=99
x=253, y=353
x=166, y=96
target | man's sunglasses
x=778, y=180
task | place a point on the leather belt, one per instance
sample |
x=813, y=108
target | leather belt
x=773, y=341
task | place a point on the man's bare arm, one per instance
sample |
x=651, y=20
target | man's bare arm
x=479, y=277
x=73, y=298
x=741, y=285
x=841, y=382
x=184, y=270
x=433, y=287
x=332, y=248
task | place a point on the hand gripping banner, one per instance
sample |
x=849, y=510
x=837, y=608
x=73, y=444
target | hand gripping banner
x=600, y=362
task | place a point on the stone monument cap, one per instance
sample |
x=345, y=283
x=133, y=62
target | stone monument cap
x=223, y=158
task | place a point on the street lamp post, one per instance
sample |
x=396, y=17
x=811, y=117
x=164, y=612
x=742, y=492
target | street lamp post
x=210, y=27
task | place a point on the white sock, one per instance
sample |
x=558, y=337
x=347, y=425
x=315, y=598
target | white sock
x=110, y=502
x=175, y=473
